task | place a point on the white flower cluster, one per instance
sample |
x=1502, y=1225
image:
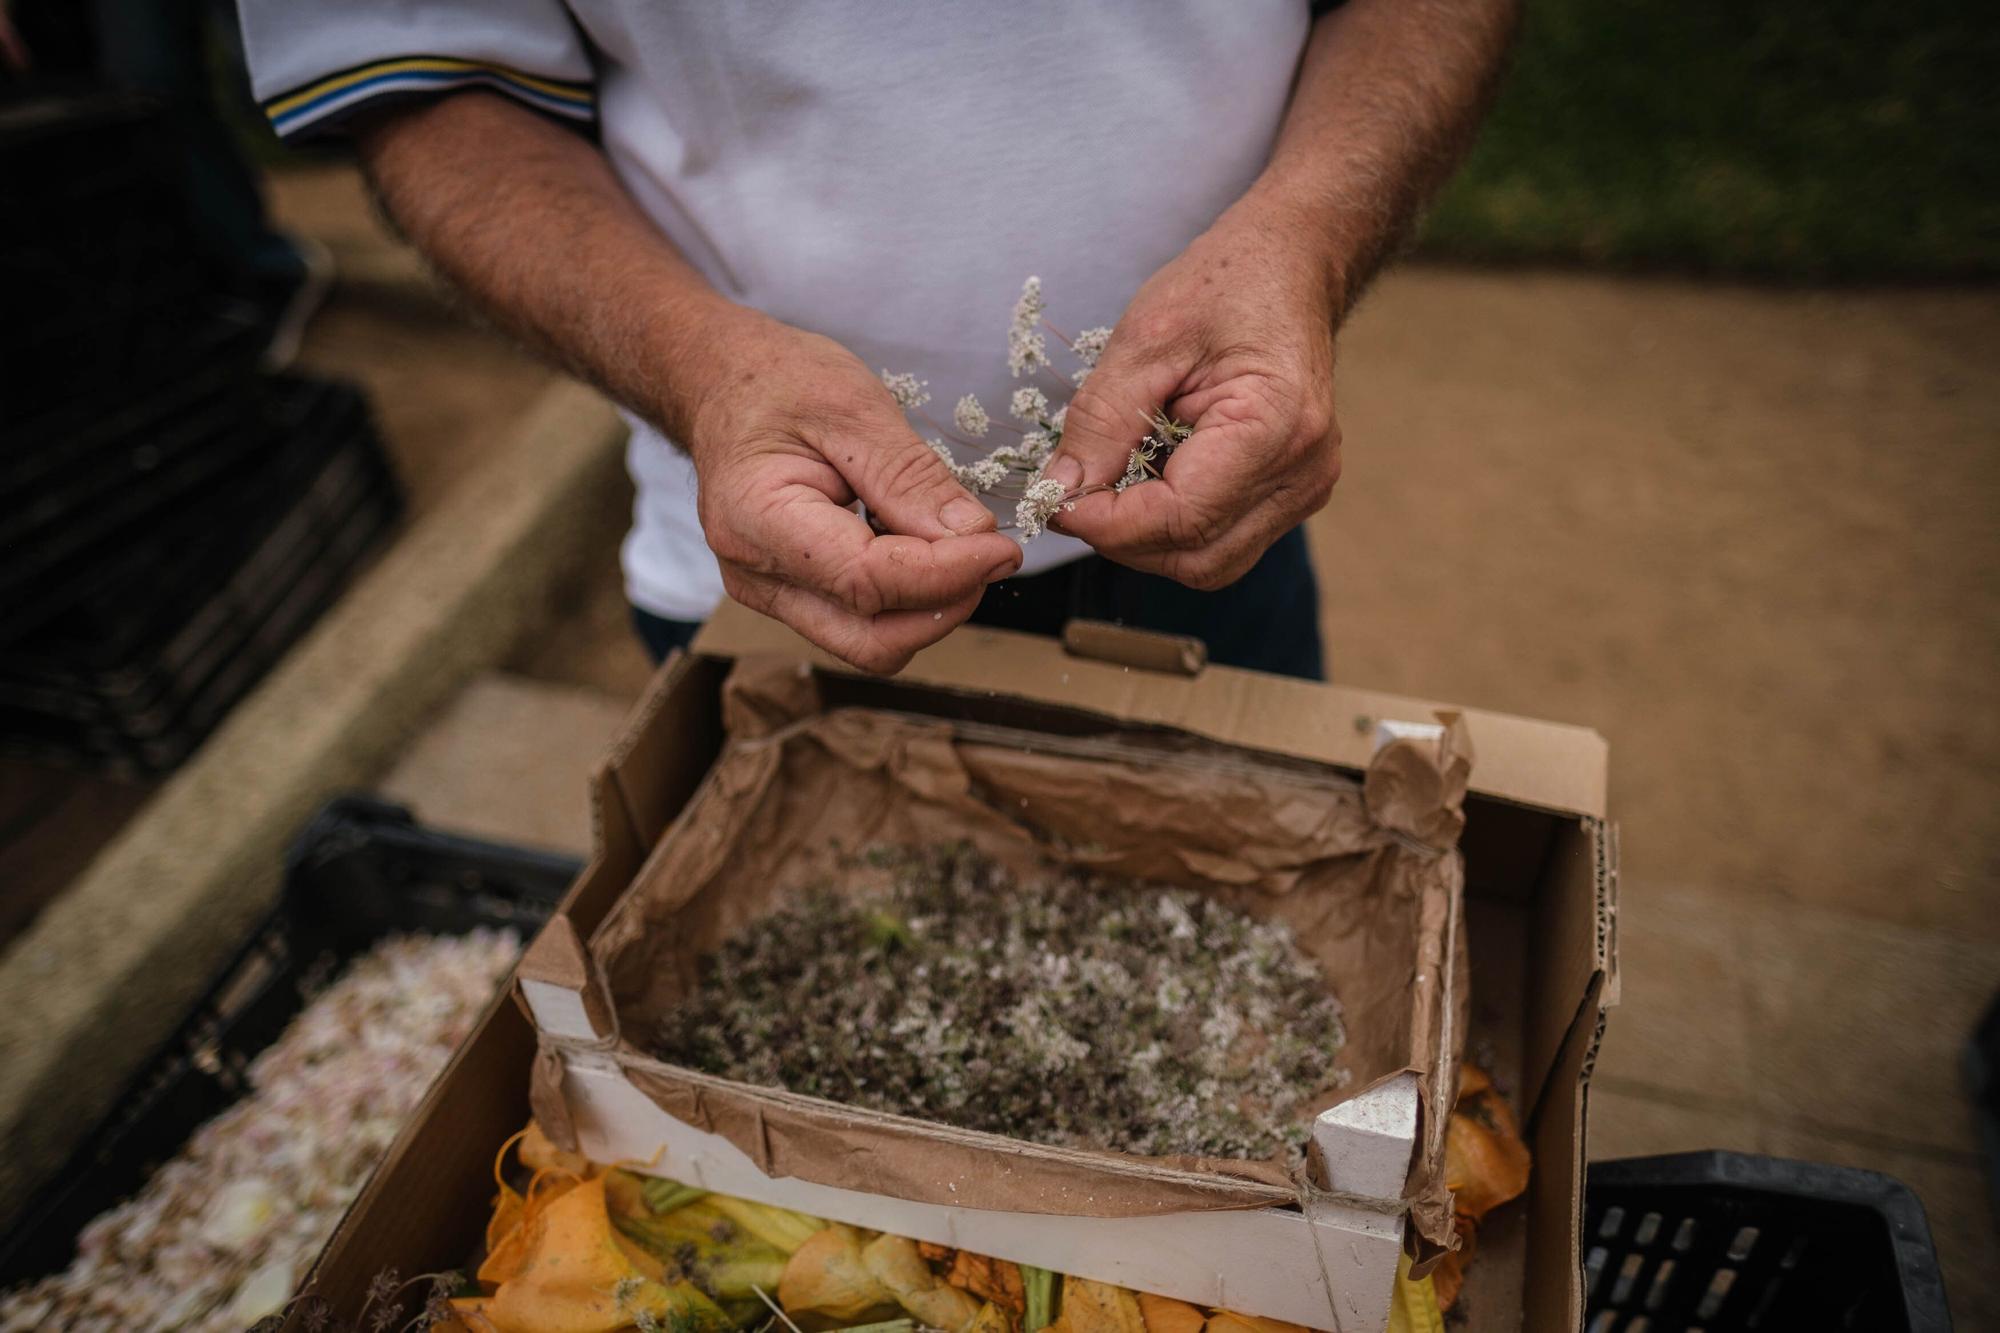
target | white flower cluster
x=1037, y=505
x=1014, y=469
x=1089, y=346
x=971, y=418
x=1165, y=436
x=1027, y=345
x=908, y=391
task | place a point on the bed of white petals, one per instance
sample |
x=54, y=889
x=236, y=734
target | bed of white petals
x=222, y=1234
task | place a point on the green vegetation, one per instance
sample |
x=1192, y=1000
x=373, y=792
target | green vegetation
x=1773, y=137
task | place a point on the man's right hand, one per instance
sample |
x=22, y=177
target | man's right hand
x=787, y=429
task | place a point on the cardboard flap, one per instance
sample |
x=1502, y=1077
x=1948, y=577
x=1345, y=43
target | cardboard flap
x=1121, y=645
x=1542, y=764
x=1418, y=789
x=557, y=971
x=557, y=956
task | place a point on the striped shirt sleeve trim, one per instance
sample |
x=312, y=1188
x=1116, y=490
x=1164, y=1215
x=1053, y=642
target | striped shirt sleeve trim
x=336, y=94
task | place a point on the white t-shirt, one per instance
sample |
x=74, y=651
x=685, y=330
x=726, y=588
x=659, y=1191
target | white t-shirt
x=886, y=174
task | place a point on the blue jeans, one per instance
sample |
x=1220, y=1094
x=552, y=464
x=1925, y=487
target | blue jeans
x=1268, y=620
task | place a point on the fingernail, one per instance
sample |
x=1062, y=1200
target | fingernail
x=1002, y=570
x=1067, y=472
x=964, y=515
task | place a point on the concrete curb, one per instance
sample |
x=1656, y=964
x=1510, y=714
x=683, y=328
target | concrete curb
x=107, y=971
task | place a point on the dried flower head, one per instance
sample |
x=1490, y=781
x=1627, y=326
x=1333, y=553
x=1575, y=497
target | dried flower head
x=1029, y=404
x=1027, y=345
x=971, y=418
x=1089, y=346
x=437, y=1309
x=1038, y=504
x=984, y=475
x=908, y=391
x=1149, y=460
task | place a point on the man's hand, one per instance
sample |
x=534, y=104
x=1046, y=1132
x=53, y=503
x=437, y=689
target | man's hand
x=787, y=430
x=1235, y=337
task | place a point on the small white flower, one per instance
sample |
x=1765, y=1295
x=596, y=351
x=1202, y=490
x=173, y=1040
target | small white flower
x=1174, y=915
x=1090, y=345
x=1135, y=471
x=1030, y=404
x=970, y=417
x=984, y=475
x=908, y=391
x=944, y=453
x=1028, y=309
x=1038, y=504
x=1027, y=347
x=1036, y=446
x=1026, y=352
x=1221, y=1028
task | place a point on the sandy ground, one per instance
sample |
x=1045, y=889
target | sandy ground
x=1750, y=536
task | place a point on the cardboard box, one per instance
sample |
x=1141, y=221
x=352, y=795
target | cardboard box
x=1539, y=919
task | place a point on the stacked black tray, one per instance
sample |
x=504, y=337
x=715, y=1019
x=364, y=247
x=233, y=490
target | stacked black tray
x=171, y=518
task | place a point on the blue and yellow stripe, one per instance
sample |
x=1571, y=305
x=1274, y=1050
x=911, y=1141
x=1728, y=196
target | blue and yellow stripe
x=343, y=92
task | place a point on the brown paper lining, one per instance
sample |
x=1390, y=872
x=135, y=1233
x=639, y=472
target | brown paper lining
x=1367, y=876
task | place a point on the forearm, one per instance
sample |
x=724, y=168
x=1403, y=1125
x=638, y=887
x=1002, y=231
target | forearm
x=527, y=219
x=1388, y=97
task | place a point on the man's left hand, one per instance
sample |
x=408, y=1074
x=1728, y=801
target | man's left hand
x=1234, y=337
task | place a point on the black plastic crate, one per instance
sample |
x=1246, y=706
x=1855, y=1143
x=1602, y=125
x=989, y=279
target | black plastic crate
x=126, y=661
x=312, y=448
x=69, y=477
x=100, y=254
x=1721, y=1241
x=360, y=871
x=139, y=471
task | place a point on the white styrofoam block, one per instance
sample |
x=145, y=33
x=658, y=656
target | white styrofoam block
x=1331, y=1266
x=558, y=1011
x=1389, y=729
x=1366, y=1141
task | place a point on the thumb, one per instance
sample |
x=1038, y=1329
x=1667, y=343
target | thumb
x=906, y=486
x=1110, y=414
